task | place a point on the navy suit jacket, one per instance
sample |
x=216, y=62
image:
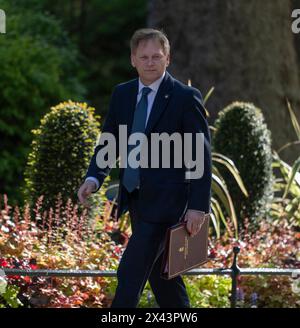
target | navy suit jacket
x=165, y=194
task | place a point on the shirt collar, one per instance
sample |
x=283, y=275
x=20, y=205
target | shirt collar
x=153, y=86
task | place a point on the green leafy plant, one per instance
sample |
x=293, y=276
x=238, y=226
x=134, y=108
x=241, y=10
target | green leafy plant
x=222, y=204
x=287, y=183
x=287, y=188
x=221, y=198
x=61, y=151
x=208, y=291
x=39, y=67
x=241, y=134
x=10, y=297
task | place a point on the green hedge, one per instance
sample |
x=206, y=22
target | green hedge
x=61, y=150
x=242, y=135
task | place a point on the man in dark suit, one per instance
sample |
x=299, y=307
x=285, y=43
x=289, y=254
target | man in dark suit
x=156, y=197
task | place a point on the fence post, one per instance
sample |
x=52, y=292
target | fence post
x=235, y=271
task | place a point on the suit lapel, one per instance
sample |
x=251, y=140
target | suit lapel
x=132, y=105
x=160, y=102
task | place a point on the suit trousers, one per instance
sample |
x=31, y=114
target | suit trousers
x=142, y=260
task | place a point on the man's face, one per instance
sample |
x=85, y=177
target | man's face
x=150, y=61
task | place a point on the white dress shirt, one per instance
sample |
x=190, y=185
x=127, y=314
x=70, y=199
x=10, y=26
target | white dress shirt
x=151, y=97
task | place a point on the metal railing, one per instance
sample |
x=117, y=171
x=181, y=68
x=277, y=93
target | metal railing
x=234, y=272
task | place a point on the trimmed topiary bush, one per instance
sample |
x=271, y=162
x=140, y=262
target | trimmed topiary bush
x=61, y=150
x=242, y=135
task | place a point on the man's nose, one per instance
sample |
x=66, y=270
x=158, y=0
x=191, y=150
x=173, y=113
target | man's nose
x=150, y=62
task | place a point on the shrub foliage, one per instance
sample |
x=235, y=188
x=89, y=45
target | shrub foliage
x=61, y=151
x=242, y=135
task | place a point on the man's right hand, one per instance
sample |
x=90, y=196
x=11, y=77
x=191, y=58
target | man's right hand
x=85, y=190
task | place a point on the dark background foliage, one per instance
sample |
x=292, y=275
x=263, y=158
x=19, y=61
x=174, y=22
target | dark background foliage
x=54, y=51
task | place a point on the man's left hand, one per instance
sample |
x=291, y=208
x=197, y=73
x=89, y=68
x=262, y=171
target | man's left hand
x=194, y=220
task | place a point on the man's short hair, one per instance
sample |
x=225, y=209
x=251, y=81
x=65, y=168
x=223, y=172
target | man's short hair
x=147, y=34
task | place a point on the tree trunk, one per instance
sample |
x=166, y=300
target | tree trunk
x=244, y=48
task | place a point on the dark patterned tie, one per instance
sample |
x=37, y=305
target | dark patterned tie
x=131, y=176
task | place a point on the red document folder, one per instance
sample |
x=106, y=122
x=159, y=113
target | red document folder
x=183, y=252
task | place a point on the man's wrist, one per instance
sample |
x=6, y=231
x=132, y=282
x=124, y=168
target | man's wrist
x=94, y=180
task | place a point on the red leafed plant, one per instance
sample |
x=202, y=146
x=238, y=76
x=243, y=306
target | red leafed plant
x=275, y=244
x=59, y=239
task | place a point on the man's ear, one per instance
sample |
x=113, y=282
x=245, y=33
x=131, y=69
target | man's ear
x=132, y=60
x=168, y=60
